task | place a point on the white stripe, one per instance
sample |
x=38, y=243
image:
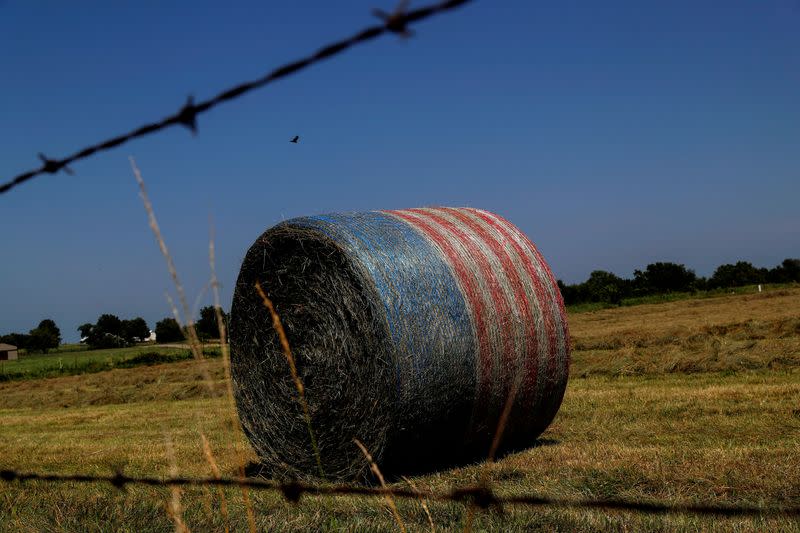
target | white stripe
x=494, y=337
x=545, y=279
x=518, y=339
x=535, y=308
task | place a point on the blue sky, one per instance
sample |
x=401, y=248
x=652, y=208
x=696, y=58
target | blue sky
x=614, y=135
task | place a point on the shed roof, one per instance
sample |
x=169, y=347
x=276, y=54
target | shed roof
x=6, y=347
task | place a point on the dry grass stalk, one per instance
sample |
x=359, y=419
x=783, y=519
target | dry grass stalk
x=498, y=436
x=287, y=351
x=276, y=323
x=174, y=508
x=223, y=501
x=194, y=341
x=423, y=502
x=223, y=333
x=226, y=363
x=199, y=298
x=501, y=423
x=377, y=471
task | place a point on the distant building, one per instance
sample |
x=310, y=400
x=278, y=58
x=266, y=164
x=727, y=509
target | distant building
x=8, y=352
x=151, y=337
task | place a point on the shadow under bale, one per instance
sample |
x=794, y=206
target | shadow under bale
x=410, y=329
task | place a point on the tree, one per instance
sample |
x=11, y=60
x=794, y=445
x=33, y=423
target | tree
x=570, y=293
x=787, y=272
x=99, y=340
x=106, y=333
x=20, y=340
x=605, y=286
x=44, y=337
x=86, y=330
x=207, y=327
x=50, y=327
x=661, y=277
x=168, y=330
x=791, y=268
x=110, y=324
x=135, y=330
x=742, y=273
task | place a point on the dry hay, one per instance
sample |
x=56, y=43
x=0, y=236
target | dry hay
x=410, y=329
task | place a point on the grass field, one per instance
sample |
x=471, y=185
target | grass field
x=78, y=360
x=686, y=402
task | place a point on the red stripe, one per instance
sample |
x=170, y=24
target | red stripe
x=557, y=293
x=552, y=401
x=541, y=294
x=520, y=295
x=496, y=294
x=468, y=285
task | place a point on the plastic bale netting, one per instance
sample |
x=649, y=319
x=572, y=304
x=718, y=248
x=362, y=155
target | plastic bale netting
x=410, y=330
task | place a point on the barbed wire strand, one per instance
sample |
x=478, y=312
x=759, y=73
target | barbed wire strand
x=482, y=497
x=396, y=22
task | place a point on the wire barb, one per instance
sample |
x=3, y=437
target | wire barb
x=119, y=480
x=292, y=491
x=481, y=495
x=187, y=116
x=396, y=22
x=52, y=166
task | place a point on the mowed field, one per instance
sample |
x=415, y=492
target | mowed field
x=694, y=401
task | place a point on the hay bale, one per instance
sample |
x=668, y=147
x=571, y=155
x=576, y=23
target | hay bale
x=408, y=328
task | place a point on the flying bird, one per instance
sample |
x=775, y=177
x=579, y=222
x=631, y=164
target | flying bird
x=296, y=138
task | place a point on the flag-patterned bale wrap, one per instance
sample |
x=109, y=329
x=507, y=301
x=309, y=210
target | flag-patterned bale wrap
x=410, y=330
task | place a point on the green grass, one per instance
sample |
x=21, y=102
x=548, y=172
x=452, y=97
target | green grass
x=63, y=348
x=69, y=347
x=74, y=362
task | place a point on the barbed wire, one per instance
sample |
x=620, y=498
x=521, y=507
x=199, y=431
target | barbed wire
x=481, y=496
x=396, y=22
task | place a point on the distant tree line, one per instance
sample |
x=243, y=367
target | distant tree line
x=663, y=278
x=43, y=338
x=111, y=332
x=168, y=330
x=206, y=325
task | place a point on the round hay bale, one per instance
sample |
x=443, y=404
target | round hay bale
x=409, y=329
